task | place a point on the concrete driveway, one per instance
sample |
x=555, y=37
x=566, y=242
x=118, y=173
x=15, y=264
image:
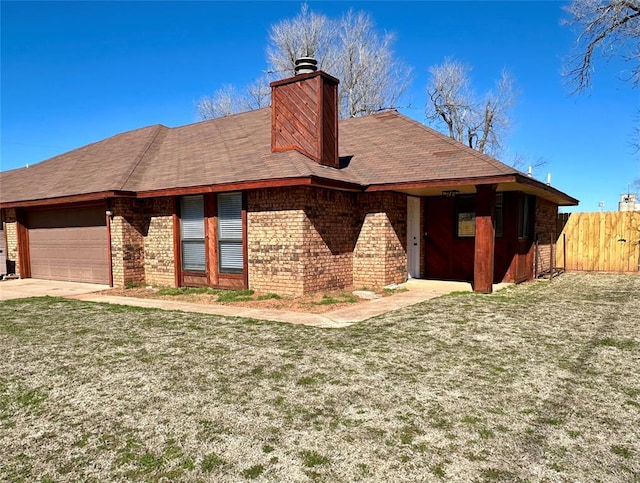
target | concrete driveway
x=32, y=287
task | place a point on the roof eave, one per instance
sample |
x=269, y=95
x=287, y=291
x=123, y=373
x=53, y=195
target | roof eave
x=60, y=200
x=251, y=185
x=562, y=198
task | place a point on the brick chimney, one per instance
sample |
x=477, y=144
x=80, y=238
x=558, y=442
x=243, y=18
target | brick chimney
x=304, y=114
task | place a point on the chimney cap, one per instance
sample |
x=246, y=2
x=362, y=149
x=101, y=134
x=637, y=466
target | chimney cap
x=306, y=65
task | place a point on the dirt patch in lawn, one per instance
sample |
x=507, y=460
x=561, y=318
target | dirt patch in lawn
x=317, y=303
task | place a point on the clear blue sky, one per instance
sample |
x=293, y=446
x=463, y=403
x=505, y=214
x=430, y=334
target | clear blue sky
x=77, y=72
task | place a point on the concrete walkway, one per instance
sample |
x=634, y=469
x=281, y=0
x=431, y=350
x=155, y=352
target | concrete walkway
x=417, y=291
x=33, y=287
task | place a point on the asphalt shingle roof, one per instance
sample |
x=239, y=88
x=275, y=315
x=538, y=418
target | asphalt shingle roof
x=378, y=149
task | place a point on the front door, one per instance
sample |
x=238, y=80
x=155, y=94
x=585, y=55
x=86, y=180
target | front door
x=413, y=237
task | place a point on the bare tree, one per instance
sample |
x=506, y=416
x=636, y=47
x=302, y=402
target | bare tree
x=478, y=122
x=370, y=78
x=611, y=27
x=228, y=100
x=526, y=163
x=258, y=94
x=308, y=34
x=224, y=102
x=349, y=48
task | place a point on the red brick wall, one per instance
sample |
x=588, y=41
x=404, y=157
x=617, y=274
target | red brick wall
x=329, y=239
x=303, y=240
x=546, y=236
x=158, y=242
x=127, y=243
x=275, y=240
x=300, y=239
x=380, y=256
x=142, y=241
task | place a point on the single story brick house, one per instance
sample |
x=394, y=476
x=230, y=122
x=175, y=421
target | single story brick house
x=284, y=199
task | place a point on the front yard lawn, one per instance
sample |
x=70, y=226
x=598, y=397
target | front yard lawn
x=537, y=383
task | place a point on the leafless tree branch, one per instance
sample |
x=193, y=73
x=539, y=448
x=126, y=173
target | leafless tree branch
x=228, y=100
x=611, y=27
x=480, y=123
x=350, y=48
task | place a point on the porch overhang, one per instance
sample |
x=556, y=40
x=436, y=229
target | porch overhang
x=510, y=182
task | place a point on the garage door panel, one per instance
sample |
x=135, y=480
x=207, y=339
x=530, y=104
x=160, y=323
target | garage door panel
x=76, y=253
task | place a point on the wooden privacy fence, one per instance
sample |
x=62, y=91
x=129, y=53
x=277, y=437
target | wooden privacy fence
x=607, y=242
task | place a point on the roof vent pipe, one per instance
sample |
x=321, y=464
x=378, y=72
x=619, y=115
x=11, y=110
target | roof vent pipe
x=306, y=65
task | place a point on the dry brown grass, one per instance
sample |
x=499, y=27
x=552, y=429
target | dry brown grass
x=537, y=383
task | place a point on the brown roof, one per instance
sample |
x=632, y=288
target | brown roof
x=391, y=148
x=384, y=148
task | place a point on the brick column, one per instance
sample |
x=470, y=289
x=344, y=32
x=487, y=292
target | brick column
x=379, y=256
x=485, y=238
x=127, y=243
x=11, y=231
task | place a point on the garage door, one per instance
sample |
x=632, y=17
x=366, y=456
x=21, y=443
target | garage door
x=69, y=244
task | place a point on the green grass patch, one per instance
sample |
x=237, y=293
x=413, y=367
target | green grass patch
x=222, y=295
x=150, y=462
x=235, y=295
x=438, y=470
x=485, y=433
x=211, y=462
x=253, y=472
x=621, y=451
x=267, y=448
x=31, y=398
x=176, y=291
x=269, y=296
x=18, y=398
x=494, y=474
x=311, y=458
x=391, y=291
x=471, y=420
x=622, y=344
x=338, y=299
